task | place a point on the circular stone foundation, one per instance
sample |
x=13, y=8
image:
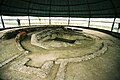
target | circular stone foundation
x=60, y=37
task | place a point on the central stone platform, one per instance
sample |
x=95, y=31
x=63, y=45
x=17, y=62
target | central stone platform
x=59, y=37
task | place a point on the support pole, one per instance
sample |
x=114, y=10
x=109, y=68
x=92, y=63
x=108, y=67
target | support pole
x=2, y=22
x=50, y=12
x=49, y=20
x=1, y=4
x=29, y=20
x=113, y=24
x=89, y=12
x=68, y=13
x=29, y=10
x=68, y=21
x=118, y=27
x=39, y=20
x=89, y=23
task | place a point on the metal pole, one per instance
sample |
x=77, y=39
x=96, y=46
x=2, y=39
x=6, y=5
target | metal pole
x=29, y=20
x=89, y=12
x=89, y=23
x=29, y=10
x=39, y=20
x=49, y=20
x=50, y=12
x=113, y=24
x=2, y=22
x=68, y=13
x=118, y=27
x=68, y=21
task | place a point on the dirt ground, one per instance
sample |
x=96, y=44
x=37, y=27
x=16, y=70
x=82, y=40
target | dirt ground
x=104, y=67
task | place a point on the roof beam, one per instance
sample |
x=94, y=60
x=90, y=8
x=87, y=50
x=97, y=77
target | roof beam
x=47, y=4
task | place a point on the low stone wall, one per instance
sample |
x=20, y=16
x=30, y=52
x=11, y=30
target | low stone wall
x=21, y=48
x=63, y=62
x=9, y=60
x=40, y=72
x=11, y=33
x=46, y=68
x=19, y=37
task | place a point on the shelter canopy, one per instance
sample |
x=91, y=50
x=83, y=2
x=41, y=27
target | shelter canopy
x=61, y=8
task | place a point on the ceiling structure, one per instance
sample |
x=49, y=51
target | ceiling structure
x=61, y=8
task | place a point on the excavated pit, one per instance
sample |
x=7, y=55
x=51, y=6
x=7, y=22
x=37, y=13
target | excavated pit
x=60, y=37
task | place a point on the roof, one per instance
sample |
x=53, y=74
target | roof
x=61, y=8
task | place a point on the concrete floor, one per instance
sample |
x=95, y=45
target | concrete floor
x=104, y=67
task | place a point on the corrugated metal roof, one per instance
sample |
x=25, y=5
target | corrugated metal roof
x=61, y=8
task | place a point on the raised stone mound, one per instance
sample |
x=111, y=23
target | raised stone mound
x=60, y=37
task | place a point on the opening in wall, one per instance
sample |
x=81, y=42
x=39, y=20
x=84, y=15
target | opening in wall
x=15, y=21
x=59, y=20
x=101, y=23
x=79, y=22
